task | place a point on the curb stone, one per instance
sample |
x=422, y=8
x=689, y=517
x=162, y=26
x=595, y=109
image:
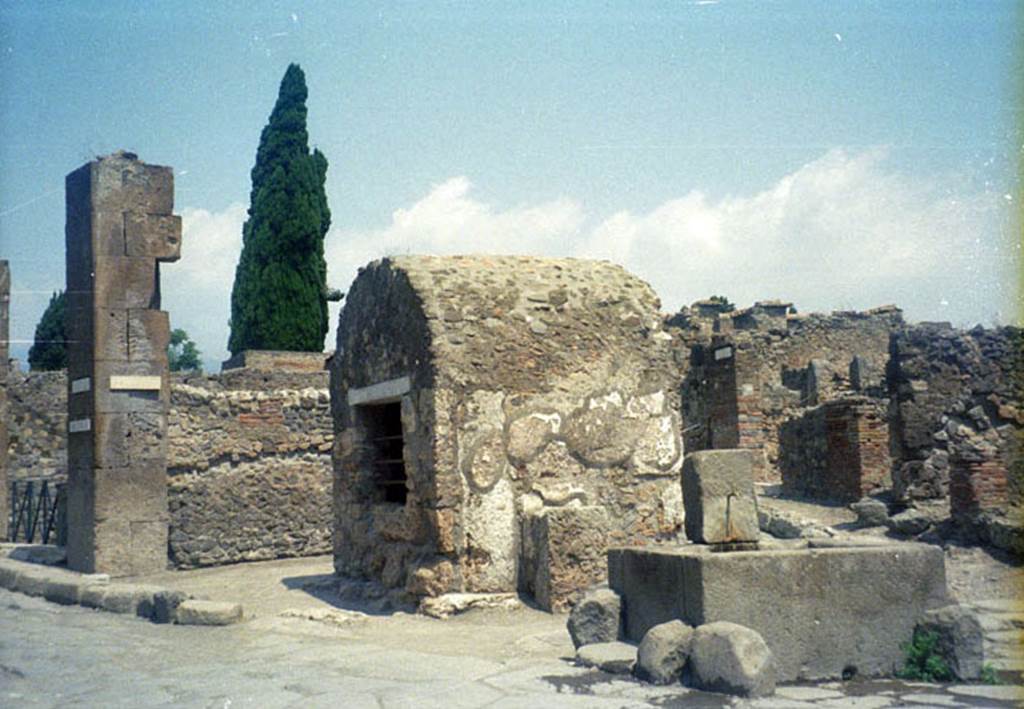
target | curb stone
x=95, y=591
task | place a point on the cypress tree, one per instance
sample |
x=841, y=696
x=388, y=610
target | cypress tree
x=279, y=298
x=49, y=350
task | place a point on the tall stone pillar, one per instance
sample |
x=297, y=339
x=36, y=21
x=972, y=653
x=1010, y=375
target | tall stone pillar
x=119, y=228
x=5, y=300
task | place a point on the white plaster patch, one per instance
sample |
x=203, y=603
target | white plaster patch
x=660, y=445
x=381, y=392
x=603, y=402
x=79, y=425
x=646, y=405
x=672, y=504
x=490, y=523
x=135, y=383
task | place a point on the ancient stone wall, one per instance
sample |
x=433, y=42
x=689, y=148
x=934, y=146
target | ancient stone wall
x=249, y=467
x=248, y=460
x=524, y=386
x=37, y=420
x=957, y=415
x=838, y=450
x=760, y=366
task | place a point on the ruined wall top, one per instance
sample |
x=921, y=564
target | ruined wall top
x=514, y=322
x=705, y=318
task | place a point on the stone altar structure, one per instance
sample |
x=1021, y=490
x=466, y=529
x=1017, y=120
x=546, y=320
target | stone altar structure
x=119, y=228
x=484, y=407
x=824, y=610
x=5, y=300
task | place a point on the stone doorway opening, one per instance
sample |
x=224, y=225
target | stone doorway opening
x=383, y=425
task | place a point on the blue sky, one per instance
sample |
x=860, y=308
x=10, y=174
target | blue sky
x=842, y=155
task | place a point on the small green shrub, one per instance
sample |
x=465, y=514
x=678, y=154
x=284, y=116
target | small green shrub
x=989, y=674
x=923, y=661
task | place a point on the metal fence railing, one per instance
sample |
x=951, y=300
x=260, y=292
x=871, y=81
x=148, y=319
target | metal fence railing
x=37, y=512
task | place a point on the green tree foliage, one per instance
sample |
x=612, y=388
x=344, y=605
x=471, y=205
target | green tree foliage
x=49, y=350
x=279, y=299
x=182, y=353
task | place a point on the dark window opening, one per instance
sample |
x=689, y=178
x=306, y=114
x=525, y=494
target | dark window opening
x=384, y=435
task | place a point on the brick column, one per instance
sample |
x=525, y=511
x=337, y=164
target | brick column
x=857, y=444
x=119, y=227
x=5, y=299
x=977, y=483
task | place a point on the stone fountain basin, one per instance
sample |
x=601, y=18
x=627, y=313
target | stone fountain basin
x=826, y=611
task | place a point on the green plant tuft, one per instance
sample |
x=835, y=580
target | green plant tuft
x=923, y=660
x=989, y=675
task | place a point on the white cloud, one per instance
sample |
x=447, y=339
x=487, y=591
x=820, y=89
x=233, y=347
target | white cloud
x=840, y=232
x=844, y=231
x=196, y=290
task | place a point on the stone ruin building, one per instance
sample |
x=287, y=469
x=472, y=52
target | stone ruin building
x=493, y=423
x=500, y=420
x=843, y=405
x=754, y=369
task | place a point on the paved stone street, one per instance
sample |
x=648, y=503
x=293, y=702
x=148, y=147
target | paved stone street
x=314, y=654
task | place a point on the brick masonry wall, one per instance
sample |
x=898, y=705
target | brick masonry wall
x=249, y=470
x=780, y=367
x=836, y=451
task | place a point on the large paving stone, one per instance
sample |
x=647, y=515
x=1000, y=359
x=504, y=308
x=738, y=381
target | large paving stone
x=197, y=612
x=663, y=652
x=1006, y=693
x=726, y=657
x=718, y=497
x=615, y=658
x=596, y=618
x=821, y=611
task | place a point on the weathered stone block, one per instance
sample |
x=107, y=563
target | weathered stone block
x=568, y=554
x=663, y=652
x=871, y=513
x=123, y=598
x=9, y=571
x=120, y=180
x=66, y=592
x=125, y=282
x=730, y=658
x=196, y=612
x=132, y=492
x=596, y=618
x=960, y=639
x=718, y=496
x=819, y=610
x=165, y=606
x=152, y=235
x=130, y=439
x=137, y=335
